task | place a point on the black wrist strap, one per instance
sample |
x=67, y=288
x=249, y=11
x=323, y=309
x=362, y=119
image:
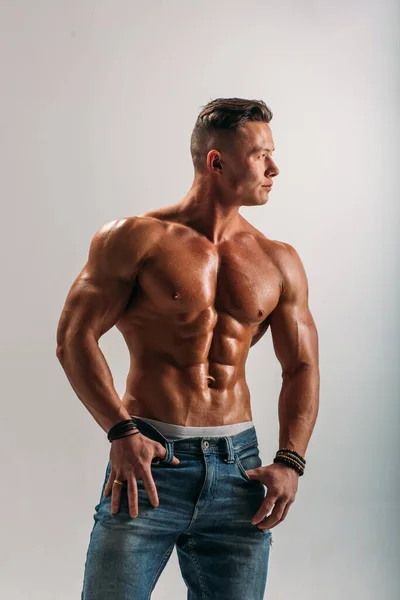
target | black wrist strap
x=121, y=437
x=120, y=429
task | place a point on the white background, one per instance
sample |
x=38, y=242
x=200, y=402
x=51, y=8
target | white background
x=98, y=101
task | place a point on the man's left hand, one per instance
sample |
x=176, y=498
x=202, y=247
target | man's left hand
x=281, y=482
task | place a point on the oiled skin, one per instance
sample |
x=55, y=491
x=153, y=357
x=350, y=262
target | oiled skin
x=189, y=312
x=194, y=311
x=192, y=286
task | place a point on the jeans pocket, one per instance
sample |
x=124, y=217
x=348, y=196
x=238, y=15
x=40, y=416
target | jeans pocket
x=247, y=459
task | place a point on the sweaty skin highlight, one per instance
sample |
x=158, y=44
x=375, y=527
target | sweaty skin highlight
x=192, y=287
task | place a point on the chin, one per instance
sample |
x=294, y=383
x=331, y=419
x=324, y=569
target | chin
x=254, y=198
x=259, y=201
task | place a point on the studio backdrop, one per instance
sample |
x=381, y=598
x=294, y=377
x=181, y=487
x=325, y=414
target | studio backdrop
x=98, y=100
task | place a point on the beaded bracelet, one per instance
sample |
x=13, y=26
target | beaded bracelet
x=291, y=459
x=292, y=452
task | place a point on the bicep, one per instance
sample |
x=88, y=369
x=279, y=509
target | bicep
x=293, y=330
x=93, y=305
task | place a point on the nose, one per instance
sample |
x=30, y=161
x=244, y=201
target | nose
x=272, y=170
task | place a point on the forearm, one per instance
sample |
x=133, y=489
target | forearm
x=298, y=408
x=90, y=377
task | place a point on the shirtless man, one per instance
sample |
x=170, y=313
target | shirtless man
x=192, y=286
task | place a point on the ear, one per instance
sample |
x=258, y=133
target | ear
x=214, y=161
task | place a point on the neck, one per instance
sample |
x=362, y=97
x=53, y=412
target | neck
x=206, y=209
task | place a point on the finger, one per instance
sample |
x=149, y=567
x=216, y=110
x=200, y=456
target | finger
x=132, y=496
x=156, y=460
x=161, y=452
x=266, y=506
x=109, y=484
x=274, y=518
x=116, y=496
x=253, y=473
x=150, y=486
x=283, y=517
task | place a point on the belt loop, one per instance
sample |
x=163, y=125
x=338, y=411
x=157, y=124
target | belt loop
x=230, y=450
x=169, y=447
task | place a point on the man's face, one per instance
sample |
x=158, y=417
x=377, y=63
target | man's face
x=248, y=166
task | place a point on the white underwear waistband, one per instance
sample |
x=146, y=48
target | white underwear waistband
x=172, y=431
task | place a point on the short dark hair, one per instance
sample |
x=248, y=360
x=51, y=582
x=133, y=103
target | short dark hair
x=226, y=116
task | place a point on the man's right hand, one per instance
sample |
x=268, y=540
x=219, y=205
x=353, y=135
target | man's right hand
x=131, y=458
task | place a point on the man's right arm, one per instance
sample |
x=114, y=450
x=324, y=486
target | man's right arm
x=95, y=302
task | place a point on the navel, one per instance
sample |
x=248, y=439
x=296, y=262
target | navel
x=175, y=296
x=260, y=312
x=211, y=380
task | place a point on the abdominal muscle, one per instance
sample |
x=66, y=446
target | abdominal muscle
x=189, y=325
x=182, y=388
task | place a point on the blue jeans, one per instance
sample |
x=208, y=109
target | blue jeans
x=205, y=507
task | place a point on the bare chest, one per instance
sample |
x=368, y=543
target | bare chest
x=236, y=278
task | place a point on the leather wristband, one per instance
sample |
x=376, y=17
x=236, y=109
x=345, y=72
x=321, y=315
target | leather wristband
x=120, y=429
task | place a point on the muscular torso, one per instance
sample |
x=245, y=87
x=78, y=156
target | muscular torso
x=196, y=308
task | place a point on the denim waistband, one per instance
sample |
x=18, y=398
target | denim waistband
x=200, y=445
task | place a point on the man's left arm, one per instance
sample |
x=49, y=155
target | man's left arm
x=295, y=340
